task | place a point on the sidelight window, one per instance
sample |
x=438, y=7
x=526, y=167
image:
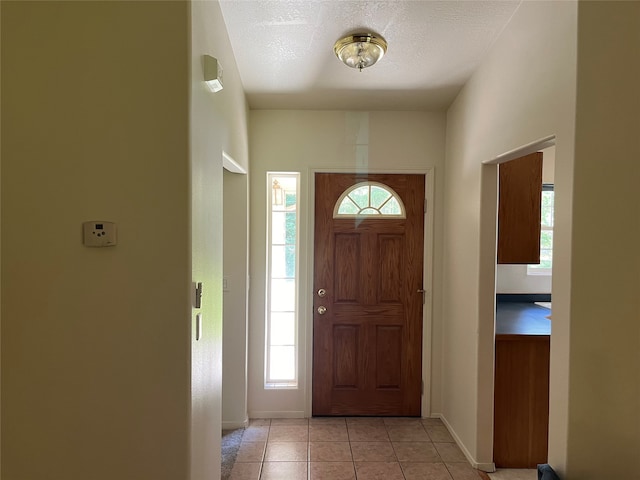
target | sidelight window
x=281, y=366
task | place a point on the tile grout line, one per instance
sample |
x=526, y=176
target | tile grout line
x=348, y=428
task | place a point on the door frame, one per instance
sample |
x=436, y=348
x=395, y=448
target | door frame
x=487, y=293
x=306, y=318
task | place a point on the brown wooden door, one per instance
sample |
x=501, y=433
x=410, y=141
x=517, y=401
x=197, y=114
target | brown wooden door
x=367, y=346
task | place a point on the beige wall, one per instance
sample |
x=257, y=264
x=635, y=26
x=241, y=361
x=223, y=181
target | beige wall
x=218, y=124
x=101, y=375
x=219, y=127
x=523, y=91
x=604, y=396
x=235, y=331
x=342, y=141
x=95, y=341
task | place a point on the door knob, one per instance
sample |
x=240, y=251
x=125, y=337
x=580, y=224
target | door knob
x=322, y=292
x=322, y=309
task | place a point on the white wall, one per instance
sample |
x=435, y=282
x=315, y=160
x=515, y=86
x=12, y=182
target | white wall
x=102, y=377
x=236, y=297
x=95, y=345
x=218, y=124
x=343, y=141
x=514, y=279
x=604, y=395
x=524, y=90
x=581, y=66
x=220, y=129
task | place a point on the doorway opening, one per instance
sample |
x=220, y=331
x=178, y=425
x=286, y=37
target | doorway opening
x=522, y=305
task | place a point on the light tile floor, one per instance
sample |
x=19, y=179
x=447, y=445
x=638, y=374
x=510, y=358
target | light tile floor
x=350, y=448
x=514, y=474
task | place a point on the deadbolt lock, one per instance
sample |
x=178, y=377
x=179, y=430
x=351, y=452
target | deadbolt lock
x=322, y=292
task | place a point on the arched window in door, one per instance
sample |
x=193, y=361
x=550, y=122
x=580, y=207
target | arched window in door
x=369, y=199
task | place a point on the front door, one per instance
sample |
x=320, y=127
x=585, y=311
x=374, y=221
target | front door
x=368, y=294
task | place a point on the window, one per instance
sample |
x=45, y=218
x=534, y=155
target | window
x=369, y=198
x=281, y=366
x=546, y=234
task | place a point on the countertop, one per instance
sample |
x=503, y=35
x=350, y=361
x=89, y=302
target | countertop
x=522, y=318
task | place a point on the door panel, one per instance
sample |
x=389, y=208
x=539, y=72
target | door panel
x=390, y=253
x=347, y=266
x=368, y=334
x=389, y=356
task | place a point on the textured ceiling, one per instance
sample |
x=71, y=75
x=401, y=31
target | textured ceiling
x=284, y=50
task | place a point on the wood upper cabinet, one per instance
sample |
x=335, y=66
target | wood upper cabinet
x=519, y=210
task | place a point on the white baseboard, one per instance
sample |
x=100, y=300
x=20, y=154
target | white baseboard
x=485, y=467
x=233, y=424
x=277, y=414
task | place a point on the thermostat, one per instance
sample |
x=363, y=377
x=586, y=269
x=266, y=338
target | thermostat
x=99, y=234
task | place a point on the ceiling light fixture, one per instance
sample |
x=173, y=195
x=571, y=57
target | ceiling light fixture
x=360, y=50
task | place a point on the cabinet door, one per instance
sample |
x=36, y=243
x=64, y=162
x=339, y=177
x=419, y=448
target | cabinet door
x=521, y=401
x=519, y=210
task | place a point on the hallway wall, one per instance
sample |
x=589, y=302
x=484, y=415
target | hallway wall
x=578, y=80
x=218, y=125
x=604, y=360
x=524, y=90
x=95, y=350
x=106, y=117
x=235, y=299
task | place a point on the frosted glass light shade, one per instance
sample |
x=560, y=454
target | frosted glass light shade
x=360, y=50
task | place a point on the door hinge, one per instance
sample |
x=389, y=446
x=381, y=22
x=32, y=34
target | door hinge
x=424, y=294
